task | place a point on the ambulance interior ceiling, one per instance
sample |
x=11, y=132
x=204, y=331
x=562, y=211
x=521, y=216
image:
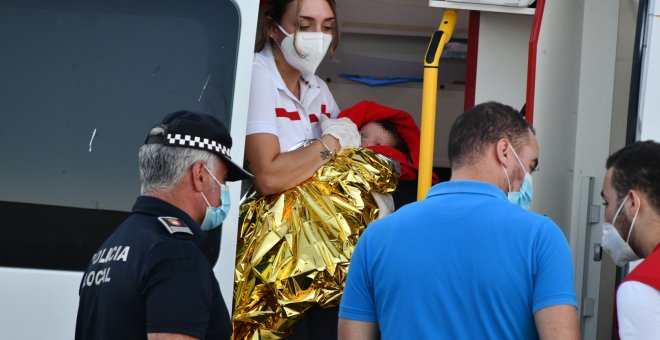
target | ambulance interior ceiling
x=386, y=39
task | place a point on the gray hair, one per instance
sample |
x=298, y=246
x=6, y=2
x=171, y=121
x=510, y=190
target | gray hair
x=162, y=167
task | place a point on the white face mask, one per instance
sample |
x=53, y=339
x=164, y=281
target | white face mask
x=312, y=47
x=613, y=243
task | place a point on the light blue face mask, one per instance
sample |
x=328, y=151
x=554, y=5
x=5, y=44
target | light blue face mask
x=522, y=198
x=215, y=215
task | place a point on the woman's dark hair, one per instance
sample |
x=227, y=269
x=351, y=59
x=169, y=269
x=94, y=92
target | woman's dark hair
x=271, y=13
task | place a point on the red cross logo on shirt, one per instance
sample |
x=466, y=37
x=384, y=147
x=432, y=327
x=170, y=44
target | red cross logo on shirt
x=313, y=118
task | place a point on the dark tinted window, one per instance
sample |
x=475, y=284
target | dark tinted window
x=81, y=83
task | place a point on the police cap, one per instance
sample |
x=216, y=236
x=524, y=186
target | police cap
x=198, y=131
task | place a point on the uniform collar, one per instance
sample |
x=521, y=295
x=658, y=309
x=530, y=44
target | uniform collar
x=156, y=207
x=267, y=57
x=466, y=187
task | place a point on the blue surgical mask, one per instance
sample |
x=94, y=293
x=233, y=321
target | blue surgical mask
x=522, y=198
x=215, y=215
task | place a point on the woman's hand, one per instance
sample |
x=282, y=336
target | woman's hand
x=343, y=129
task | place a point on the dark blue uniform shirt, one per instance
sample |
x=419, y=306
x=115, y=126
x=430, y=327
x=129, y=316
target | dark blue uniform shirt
x=144, y=279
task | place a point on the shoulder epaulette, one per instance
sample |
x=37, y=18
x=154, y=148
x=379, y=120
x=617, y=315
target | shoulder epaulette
x=176, y=227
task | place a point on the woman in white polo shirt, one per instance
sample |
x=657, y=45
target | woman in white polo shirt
x=288, y=103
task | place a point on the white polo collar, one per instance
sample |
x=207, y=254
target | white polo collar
x=267, y=57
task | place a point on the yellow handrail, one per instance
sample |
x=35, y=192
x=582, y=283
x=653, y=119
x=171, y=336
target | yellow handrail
x=429, y=95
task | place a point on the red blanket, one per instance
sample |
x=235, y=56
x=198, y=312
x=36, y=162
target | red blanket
x=368, y=111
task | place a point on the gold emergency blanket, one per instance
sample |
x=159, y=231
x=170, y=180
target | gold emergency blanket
x=294, y=247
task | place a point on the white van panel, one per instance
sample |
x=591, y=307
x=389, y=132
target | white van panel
x=224, y=268
x=54, y=317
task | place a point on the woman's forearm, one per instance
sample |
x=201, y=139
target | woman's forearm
x=276, y=172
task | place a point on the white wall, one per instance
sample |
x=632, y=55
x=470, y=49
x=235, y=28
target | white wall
x=502, y=76
x=596, y=87
x=624, y=58
x=574, y=95
x=502, y=58
x=557, y=84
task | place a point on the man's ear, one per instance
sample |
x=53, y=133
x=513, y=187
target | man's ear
x=197, y=177
x=635, y=203
x=502, y=151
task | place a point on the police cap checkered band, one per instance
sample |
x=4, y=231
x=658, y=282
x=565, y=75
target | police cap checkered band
x=198, y=143
x=198, y=131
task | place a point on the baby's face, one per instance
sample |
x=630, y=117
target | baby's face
x=374, y=134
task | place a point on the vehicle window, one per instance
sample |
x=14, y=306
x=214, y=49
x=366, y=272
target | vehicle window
x=81, y=83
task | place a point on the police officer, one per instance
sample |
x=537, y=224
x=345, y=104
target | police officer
x=150, y=278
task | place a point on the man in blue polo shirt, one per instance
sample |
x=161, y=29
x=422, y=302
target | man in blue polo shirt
x=469, y=261
x=151, y=277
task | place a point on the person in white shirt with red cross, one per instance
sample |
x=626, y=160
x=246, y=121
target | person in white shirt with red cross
x=288, y=103
x=631, y=191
